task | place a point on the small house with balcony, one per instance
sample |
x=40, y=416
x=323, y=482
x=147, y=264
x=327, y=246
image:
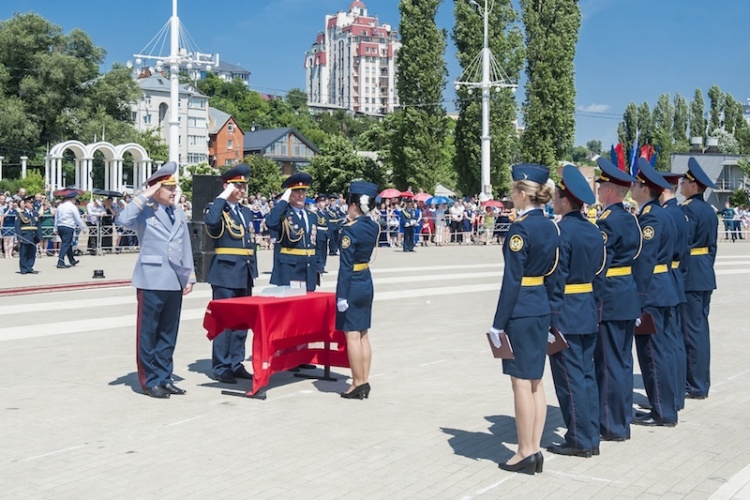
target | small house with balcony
x=225, y=139
x=286, y=146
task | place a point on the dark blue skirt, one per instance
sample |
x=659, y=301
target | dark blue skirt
x=528, y=338
x=359, y=315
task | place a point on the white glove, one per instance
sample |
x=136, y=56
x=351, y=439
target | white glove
x=287, y=194
x=342, y=305
x=495, y=337
x=229, y=191
x=637, y=321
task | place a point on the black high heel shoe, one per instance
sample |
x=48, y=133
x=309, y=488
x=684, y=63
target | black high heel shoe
x=539, y=462
x=526, y=466
x=359, y=392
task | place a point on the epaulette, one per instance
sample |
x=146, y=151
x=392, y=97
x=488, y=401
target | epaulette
x=687, y=202
x=520, y=218
x=647, y=209
x=351, y=223
x=605, y=214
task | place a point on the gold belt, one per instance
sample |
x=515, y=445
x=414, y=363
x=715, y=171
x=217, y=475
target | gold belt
x=675, y=264
x=28, y=228
x=297, y=251
x=578, y=288
x=619, y=271
x=532, y=280
x=361, y=267
x=660, y=268
x=699, y=251
x=234, y=251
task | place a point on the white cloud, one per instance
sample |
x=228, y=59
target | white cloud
x=594, y=108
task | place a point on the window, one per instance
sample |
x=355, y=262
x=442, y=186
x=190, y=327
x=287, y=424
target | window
x=197, y=122
x=196, y=158
x=196, y=140
x=197, y=102
x=230, y=144
x=230, y=128
x=147, y=119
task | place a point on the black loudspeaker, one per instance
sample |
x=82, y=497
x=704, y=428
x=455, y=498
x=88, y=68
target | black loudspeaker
x=199, y=239
x=202, y=262
x=205, y=189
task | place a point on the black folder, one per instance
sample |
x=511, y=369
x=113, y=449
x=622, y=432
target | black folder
x=505, y=351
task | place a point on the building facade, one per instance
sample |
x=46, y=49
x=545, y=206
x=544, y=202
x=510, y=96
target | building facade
x=352, y=64
x=225, y=139
x=291, y=150
x=151, y=112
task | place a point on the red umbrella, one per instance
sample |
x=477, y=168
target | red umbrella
x=65, y=191
x=493, y=203
x=407, y=194
x=390, y=193
x=422, y=197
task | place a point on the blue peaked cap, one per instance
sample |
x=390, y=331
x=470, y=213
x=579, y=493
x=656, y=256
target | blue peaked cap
x=530, y=172
x=362, y=187
x=610, y=173
x=648, y=175
x=695, y=173
x=574, y=183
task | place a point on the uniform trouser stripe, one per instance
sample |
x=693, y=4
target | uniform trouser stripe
x=613, y=358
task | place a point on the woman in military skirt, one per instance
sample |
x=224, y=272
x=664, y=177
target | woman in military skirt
x=354, y=290
x=523, y=311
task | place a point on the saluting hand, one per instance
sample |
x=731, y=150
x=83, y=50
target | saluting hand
x=151, y=190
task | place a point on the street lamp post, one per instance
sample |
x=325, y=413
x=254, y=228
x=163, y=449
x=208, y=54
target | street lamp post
x=493, y=76
x=176, y=57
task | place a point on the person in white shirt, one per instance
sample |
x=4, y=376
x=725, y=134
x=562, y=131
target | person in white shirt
x=94, y=212
x=67, y=219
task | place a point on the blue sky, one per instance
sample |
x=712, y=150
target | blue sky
x=628, y=50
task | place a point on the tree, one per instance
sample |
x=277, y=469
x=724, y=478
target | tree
x=716, y=106
x=627, y=129
x=297, y=99
x=549, y=109
x=663, y=121
x=727, y=143
x=697, y=122
x=679, y=128
x=265, y=175
x=506, y=42
x=594, y=146
x=337, y=165
x=418, y=142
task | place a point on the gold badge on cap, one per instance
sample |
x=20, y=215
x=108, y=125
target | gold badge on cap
x=516, y=243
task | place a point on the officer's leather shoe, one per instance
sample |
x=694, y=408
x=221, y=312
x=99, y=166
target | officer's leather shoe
x=75, y=262
x=558, y=449
x=595, y=451
x=617, y=439
x=63, y=266
x=695, y=396
x=34, y=272
x=173, y=389
x=241, y=372
x=649, y=421
x=226, y=378
x=158, y=392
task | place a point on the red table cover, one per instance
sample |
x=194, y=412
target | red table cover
x=283, y=329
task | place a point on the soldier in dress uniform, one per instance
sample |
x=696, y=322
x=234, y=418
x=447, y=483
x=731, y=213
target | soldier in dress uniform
x=617, y=294
x=163, y=274
x=354, y=290
x=408, y=223
x=323, y=226
x=700, y=279
x=658, y=296
x=523, y=309
x=576, y=316
x=295, y=260
x=233, y=267
x=681, y=252
x=336, y=219
x=29, y=234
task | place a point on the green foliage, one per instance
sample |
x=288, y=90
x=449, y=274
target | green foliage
x=338, y=165
x=594, y=146
x=186, y=181
x=716, y=106
x=418, y=139
x=697, y=122
x=549, y=109
x=679, y=128
x=739, y=198
x=506, y=43
x=265, y=175
x=728, y=144
x=33, y=183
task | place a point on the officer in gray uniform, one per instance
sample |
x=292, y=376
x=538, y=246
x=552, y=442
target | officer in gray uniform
x=163, y=274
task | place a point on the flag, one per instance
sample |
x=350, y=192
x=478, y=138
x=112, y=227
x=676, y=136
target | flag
x=620, y=156
x=634, y=156
x=653, y=157
x=613, y=155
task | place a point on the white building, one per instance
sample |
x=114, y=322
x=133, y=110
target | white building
x=151, y=112
x=352, y=64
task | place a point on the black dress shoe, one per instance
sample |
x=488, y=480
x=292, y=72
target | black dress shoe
x=241, y=372
x=34, y=272
x=226, y=378
x=63, y=266
x=559, y=449
x=75, y=262
x=525, y=466
x=173, y=389
x=360, y=392
x=158, y=392
x=539, y=462
x=615, y=438
x=649, y=421
x=595, y=451
x=689, y=395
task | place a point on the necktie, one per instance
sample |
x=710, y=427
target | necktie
x=302, y=216
x=238, y=213
x=170, y=212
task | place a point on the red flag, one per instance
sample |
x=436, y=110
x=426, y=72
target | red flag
x=620, y=157
x=647, y=152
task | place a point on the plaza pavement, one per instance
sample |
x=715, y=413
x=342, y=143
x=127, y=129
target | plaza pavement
x=75, y=426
